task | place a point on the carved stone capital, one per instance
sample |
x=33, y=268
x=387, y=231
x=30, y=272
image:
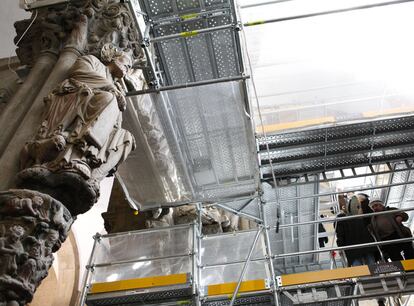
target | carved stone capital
x=57, y=27
x=33, y=225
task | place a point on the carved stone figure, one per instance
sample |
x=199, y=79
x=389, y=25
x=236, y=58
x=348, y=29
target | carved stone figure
x=212, y=219
x=27, y=238
x=80, y=140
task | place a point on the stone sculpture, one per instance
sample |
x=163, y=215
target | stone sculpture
x=32, y=226
x=88, y=44
x=80, y=140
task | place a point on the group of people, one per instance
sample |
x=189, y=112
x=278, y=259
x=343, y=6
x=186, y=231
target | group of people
x=381, y=227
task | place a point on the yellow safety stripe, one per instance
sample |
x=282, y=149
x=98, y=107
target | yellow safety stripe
x=335, y=274
x=140, y=283
x=323, y=275
x=295, y=124
x=228, y=288
x=390, y=111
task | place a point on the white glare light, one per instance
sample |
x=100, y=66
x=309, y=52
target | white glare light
x=112, y=277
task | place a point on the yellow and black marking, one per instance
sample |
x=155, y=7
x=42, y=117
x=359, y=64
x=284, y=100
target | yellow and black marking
x=345, y=273
x=228, y=288
x=140, y=283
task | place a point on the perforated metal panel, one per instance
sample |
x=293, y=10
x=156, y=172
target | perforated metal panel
x=192, y=56
x=332, y=148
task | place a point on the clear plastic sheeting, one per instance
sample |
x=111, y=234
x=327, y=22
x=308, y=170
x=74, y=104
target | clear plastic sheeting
x=141, y=245
x=219, y=250
x=339, y=67
x=231, y=273
x=211, y=150
x=142, y=269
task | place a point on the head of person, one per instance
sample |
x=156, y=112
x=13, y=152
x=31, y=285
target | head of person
x=377, y=205
x=117, y=61
x=354, y=206
x=363, y=198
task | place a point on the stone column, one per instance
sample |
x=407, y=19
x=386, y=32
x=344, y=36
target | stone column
x=20, y=103
x=62, y=135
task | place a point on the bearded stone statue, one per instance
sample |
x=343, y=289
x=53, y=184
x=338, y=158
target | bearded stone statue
x=80, y=140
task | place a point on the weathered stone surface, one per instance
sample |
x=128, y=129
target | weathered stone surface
x=80, y=140
x=32, y=226
x=109, y=22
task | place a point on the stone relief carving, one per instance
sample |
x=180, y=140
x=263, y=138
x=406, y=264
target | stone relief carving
x=32, y=226
x=109, y=22
x=80, y=140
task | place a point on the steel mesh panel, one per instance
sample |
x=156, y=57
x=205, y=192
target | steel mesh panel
x=223, y=43
x=338, y=132
x=175, y=61
x=138, y=299
x=396, y=193
x=184, y=5
x=209, y=3
x=223, y=153
x=159, y=8
x=338, y=162
x=202, y=114
x=199, y=52
x=345, y=290
x=256, y=300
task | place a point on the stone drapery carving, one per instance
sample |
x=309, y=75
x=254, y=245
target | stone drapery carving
x=80, y=140
x=32, y=226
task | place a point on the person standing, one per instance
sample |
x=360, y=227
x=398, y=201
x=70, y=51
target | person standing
x=352, y=232
x=389, y=227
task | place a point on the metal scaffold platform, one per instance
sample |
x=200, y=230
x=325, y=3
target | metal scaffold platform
x=178, y=266
x=197, y=86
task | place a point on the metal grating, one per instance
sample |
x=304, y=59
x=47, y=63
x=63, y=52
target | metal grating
x=334, y=148
x=193, y=56
x=293, y=239
x=145, y=297
x=253, y=300
x=345, y=290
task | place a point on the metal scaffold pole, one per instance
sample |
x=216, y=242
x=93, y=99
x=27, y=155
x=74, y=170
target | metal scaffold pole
x=246, y=264
x=344, y=10
x=269, y=256
x=89, y=269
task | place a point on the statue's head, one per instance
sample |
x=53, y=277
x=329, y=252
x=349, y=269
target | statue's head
x=116, y=60
x=16, y=232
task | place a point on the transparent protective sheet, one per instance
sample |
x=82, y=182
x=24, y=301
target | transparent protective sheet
x=231, y=273
x=339, y=67
x=205, y=150
x=142, y=269
x=144, y=245
x=222, y=249
x=219, y=249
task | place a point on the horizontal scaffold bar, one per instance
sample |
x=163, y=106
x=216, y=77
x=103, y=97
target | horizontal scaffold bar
x=344, y=10
x=186, y=85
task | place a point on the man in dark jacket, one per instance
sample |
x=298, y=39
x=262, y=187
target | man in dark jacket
x=354, y=231
x=390, y=227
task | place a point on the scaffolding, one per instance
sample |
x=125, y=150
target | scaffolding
x=194, y=55
x=180, y=266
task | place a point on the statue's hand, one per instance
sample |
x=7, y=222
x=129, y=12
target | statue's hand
x=121, y=103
